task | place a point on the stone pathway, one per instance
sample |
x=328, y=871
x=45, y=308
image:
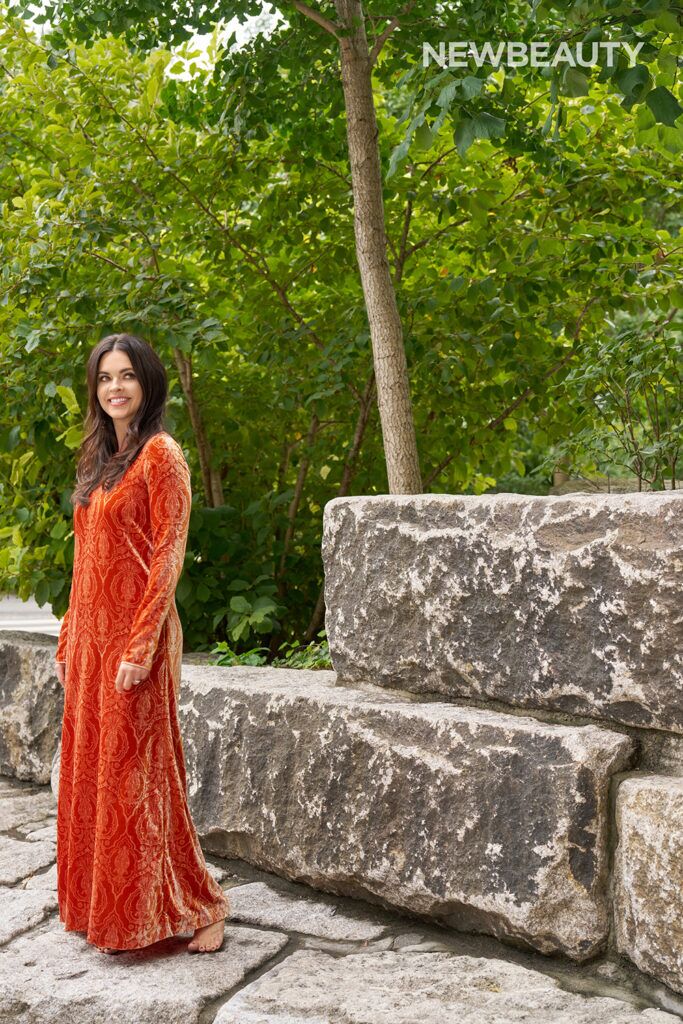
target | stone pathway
x=291, y=956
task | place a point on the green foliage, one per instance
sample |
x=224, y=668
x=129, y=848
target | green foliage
x=223, y=542
x=460, y=105
x=628, y=403
x=312, y=655
x=534, y=242
x=315, y=655
x=223, y=654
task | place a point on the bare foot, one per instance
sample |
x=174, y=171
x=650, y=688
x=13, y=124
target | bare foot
x=106, y=949
x=207, y=939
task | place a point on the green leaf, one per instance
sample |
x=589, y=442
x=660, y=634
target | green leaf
x=664, y=105
x=593, y=35
x=668, y=22
x=240, y=630
x=574, y=82
x=238, y=585
x=258, y=616
x=399, y=153
x=464, y=136
x=73, y=437
x=69, y=399
x=486, y=126
x=547, y=124
x=633, y=81
x=447, y=94
x=423, y=137
x=471, y=86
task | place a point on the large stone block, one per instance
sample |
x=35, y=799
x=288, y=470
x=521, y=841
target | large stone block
x=21, y=909
x=571, y=604
x=648, y=876
x=51, y=976
x=31, y=703
x=312, y=987
x=488, y=822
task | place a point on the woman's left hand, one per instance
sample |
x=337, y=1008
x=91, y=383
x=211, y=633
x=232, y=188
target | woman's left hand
x=128, y=675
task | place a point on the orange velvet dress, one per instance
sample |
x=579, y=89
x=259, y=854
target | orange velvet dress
x=130, y=870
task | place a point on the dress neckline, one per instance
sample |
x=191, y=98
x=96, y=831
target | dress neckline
x=130, y=466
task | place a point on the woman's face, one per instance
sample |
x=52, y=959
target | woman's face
x=118, y=389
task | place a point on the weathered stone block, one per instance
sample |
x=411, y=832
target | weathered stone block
x=19, y=859
x=488, y=822
x=20, y=808
x=259, y=904
x=564, y=603
x=50, y=976
x=311, y=987
x=648, y=876
x=21, y=909
x=31, y=702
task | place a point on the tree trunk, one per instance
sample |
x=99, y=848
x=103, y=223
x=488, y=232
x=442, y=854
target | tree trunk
x=317, y=618
x=294, y=504
x=213, y=487
x=391, y=371
x=294, y=508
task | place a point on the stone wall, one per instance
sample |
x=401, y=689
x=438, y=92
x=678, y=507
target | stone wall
x=486, y=822
x=546, y=603
x=569, y=608
x=499, y=747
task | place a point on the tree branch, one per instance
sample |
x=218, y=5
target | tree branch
x=437, y=234
x=381, y=39
x=350, y=464
x=318, y=18
x=401, y=255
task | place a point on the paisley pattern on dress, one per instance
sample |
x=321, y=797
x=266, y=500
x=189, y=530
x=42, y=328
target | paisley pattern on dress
x=130, y=870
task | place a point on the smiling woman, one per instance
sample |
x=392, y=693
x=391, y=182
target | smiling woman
x=130, y=870
x=118, y=391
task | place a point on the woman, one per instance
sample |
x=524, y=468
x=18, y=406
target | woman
x=130, y=870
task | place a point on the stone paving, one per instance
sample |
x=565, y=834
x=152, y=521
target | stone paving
x=291, y=955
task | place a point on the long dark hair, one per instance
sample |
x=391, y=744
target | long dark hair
x=99, y=460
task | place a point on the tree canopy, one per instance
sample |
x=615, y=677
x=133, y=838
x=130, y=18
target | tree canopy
x=533, y=233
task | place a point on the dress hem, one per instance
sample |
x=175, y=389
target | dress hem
x=190, y=924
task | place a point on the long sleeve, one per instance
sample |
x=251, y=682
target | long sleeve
x=63, y=637
x=167, y=476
